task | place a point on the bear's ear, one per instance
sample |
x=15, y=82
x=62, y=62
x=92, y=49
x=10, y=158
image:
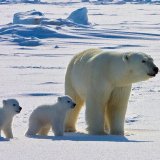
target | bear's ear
x=59, y=99
x=4, y=102
x=125, y=57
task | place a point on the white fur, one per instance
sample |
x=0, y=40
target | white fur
x=103, y=81
x=10, y=108
x=46, y=116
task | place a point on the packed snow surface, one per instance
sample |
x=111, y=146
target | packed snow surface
x=37, y=41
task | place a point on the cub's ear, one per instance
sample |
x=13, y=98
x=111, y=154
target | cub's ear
x=59, y=99
x=126, y=57
x=4, y=102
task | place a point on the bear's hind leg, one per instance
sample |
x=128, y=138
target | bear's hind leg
x=33, y=129
x=116, y=110
x=44, y=130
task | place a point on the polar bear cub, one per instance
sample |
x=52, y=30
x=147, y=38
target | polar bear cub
x=10, y=108
x=46, y=116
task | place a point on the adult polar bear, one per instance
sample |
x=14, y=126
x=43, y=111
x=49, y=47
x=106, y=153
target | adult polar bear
x=103, y=81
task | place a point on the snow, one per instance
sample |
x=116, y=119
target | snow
x=79, y=16
x=33, y=61
x=29, y=17
x=29, y=27
x=77, y=1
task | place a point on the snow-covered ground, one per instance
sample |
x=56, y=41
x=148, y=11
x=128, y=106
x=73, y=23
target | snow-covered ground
x=33, y=61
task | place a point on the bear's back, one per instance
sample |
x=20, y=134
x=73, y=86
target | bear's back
x=43, y=111
x=86, y=55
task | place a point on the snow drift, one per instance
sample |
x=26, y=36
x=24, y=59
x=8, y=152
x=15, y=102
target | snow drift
x=29, y=27
x=78, y=17
x=38, y=31
x=30, y=17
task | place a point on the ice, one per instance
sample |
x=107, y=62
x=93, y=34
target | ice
x=33, y=17
x=29, y=27
x=30, y=17
x=79, y=16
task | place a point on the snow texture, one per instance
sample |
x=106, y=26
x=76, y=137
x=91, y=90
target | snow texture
x=33, y=61
x=29, y=27
x=29, y=17
x=77, y=1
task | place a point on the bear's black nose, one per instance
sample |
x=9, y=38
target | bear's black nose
x=155, y=69
x=74, y=104
x=20, y=108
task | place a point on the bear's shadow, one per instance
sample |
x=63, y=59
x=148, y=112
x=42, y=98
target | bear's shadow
x=4, y=139
x=85, y=137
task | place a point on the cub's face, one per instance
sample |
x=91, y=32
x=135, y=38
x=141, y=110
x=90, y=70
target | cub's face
x=12, y=105
x=67, y=102
x=141, y=66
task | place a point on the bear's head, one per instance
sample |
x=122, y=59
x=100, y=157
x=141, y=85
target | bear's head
x=12, y=106
x=140, y=66
x=67, y=102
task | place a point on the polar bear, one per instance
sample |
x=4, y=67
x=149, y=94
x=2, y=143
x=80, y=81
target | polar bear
x=103, y=81
x=46, y=116
x=10, y=108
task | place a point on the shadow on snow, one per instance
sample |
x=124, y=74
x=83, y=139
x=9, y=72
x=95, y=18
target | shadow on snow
x=3, y=139
x=86, y=137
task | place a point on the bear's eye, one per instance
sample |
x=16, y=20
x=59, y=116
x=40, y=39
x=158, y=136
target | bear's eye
x=143, y=61
x=14, y=105
x=68, y=101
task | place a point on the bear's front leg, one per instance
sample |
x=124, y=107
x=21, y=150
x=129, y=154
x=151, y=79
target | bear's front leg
x=58, y=128
x=116, y=121
x=8, y=131
x=116, y=109
x=95, y=110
